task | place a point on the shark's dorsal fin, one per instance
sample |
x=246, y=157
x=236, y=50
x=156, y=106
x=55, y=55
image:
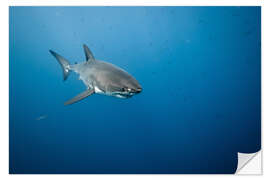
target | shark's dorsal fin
x=88, y=54
x=80, y=96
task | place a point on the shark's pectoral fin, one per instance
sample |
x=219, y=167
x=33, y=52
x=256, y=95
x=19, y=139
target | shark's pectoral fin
x=80, y=96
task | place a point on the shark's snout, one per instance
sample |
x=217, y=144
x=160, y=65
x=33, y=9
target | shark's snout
x=138, y=90
x=133, y=86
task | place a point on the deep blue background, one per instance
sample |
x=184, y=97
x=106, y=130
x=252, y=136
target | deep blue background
x=200, y=69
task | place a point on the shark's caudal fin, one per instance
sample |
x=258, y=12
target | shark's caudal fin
x=63, y=62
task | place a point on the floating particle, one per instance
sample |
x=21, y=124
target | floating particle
x=201, y=21
x=235, y=14
x=218, y=116
x=247, y=33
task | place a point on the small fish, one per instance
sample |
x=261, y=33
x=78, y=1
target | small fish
x=42, y=117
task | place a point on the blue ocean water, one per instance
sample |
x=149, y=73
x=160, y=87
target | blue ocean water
x=200, y=69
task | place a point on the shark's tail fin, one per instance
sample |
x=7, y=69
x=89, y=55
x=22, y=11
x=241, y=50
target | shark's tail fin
x=63, y=62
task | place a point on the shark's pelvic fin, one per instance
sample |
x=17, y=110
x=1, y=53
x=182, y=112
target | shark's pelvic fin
x=88, y=54
x=80, y=96
x=63, y=62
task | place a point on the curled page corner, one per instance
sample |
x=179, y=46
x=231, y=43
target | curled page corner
x=249, y=163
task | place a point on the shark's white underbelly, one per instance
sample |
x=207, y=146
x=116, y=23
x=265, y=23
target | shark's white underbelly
x=97, y=90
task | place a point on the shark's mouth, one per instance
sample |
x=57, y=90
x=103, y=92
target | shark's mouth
x=122, y=94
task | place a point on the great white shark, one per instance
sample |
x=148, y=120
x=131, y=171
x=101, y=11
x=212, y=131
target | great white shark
x=99, y=77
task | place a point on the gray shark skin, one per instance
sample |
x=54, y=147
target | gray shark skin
x=99, y=77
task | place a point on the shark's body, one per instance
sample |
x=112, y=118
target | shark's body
x=100, y=77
